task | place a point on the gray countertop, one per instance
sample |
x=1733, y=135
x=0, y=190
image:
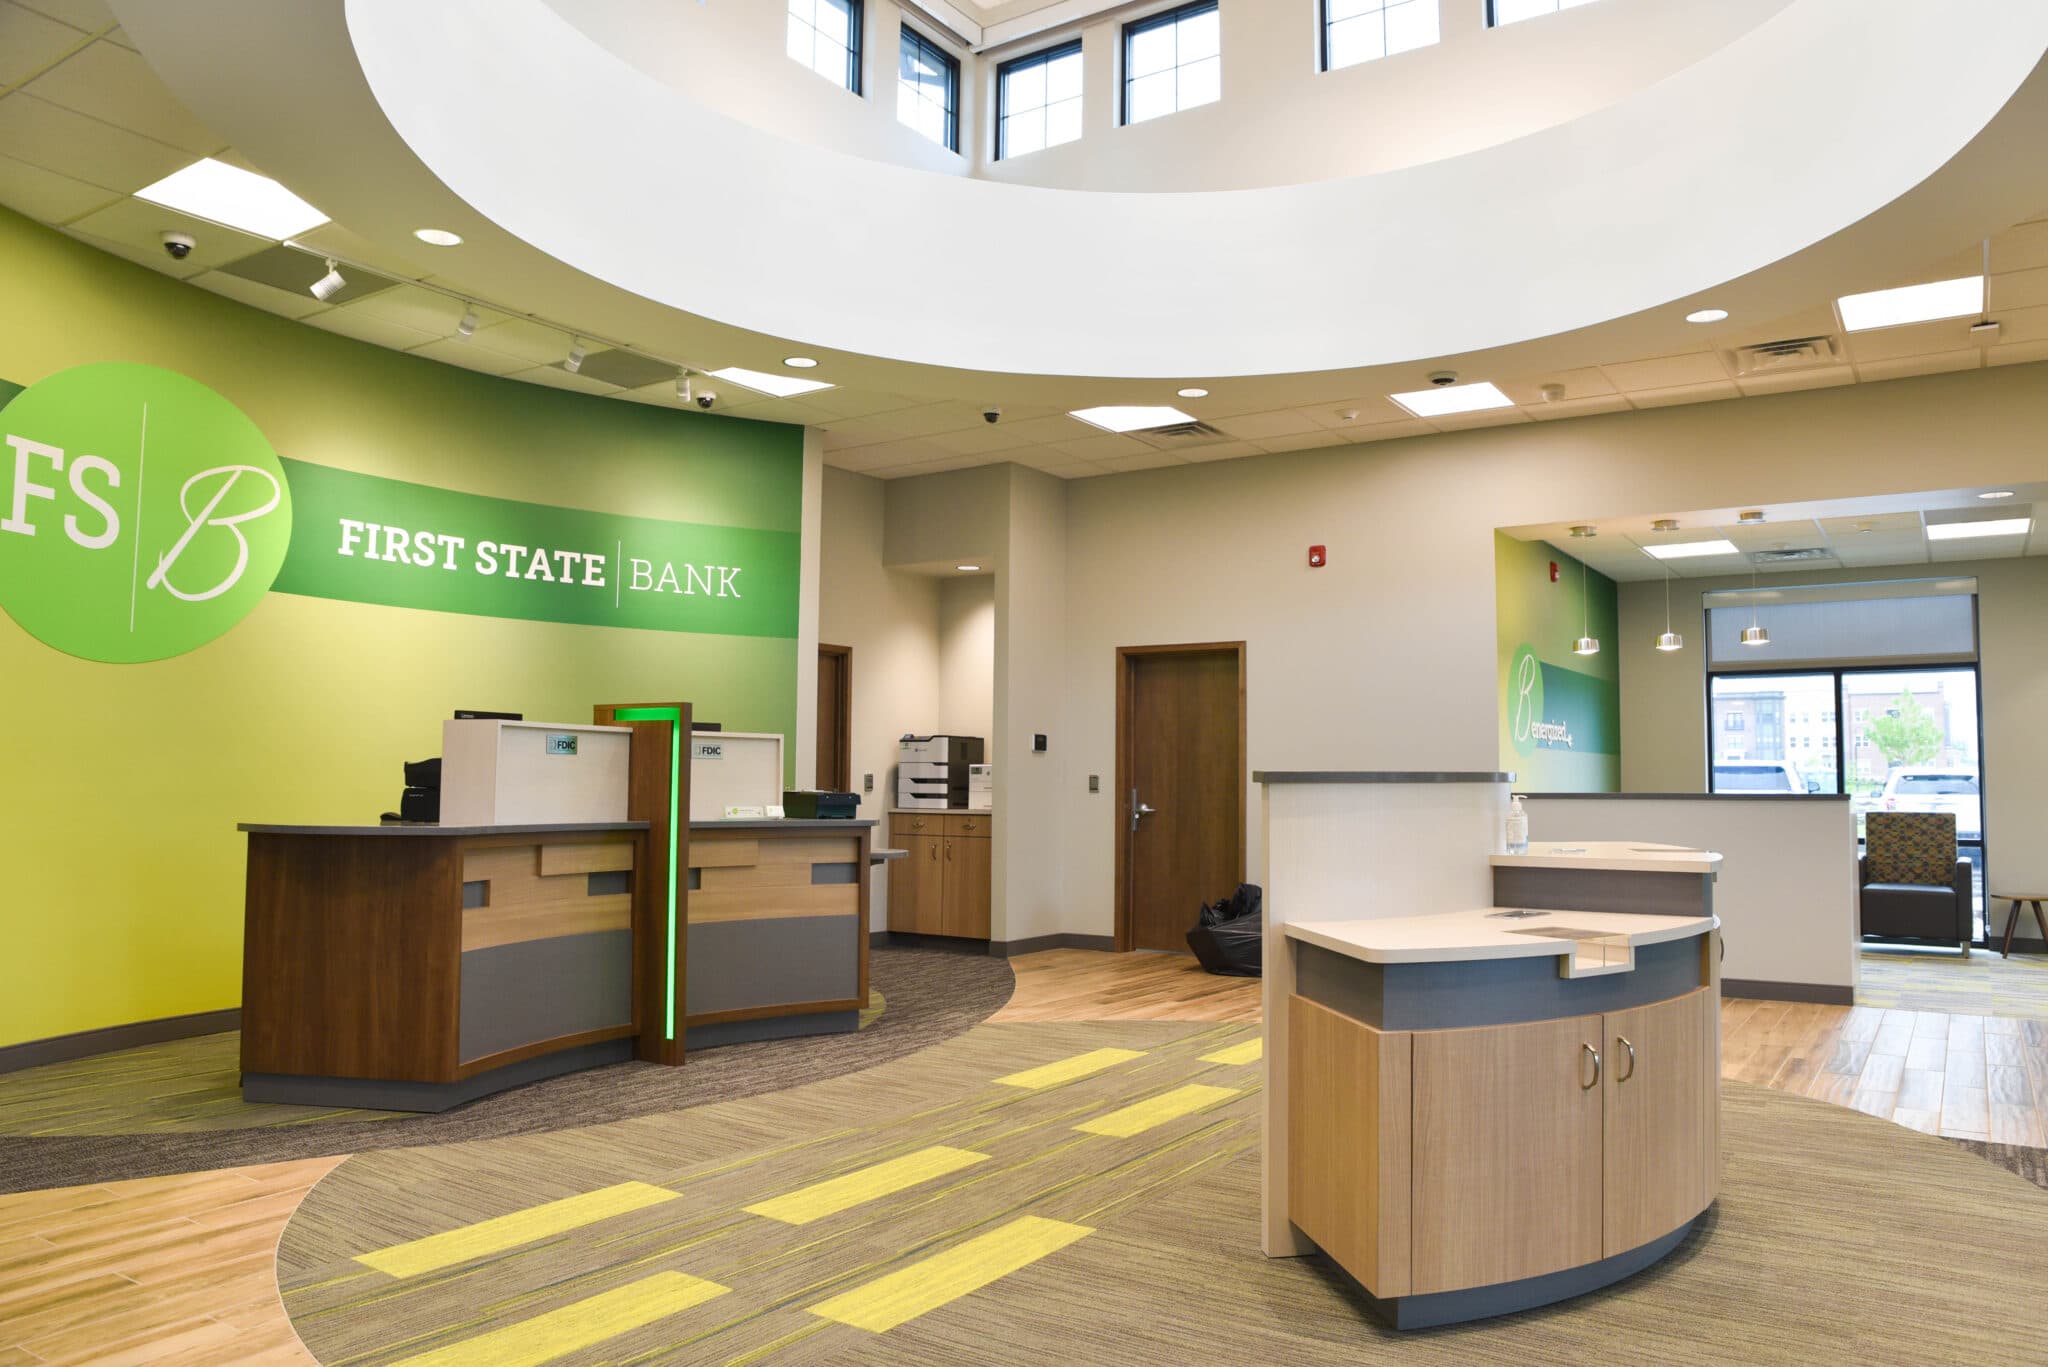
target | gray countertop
x=750, y=823
x=1695, y=797
x=884, y=856
x=1376, y=776
x=420, y=829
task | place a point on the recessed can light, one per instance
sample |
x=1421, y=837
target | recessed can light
x=1706, y=316
x=438, y=237
x=1996, y=493
x=1191, y=392
x=800, y=362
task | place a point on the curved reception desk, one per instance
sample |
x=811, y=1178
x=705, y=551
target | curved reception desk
x=1486, y=1108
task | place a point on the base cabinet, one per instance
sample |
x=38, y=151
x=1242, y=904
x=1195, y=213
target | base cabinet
x=1520, y=1150
x=944, y=885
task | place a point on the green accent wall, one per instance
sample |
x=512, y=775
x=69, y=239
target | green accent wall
x=124, y=783
x=1559, y=714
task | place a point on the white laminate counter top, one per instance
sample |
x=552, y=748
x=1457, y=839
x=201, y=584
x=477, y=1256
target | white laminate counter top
x=1626, y=856
x=1456, y=936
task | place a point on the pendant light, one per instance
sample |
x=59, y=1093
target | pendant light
x=1585, y=645
x=1754, y=635
x=1670, y=640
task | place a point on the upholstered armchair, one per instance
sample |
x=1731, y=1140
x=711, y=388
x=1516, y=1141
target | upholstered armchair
x=1913, y=886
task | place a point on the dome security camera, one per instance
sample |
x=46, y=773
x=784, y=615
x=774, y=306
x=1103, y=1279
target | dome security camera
x=705, y=398
x=1440, y=378
x=991, y=414
x=177, y=245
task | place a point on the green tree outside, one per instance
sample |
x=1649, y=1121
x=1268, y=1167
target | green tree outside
x=1906, y=734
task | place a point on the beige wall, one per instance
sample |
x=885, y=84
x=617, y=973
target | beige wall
x=967, y=658
x=1663, y=697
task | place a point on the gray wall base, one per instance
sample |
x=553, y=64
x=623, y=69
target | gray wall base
x=771, y=1027
x=374, y=1094
x=1484, y=1302
x=1827, y=994
x=86, y=1043
x=1010, y=949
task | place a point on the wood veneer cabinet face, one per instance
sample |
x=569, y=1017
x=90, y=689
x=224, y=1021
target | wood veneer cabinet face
x=1348, y=1124
x=917, y=886
x=1656, y=1137
x=945, y=886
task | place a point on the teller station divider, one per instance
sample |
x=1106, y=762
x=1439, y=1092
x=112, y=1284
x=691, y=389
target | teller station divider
x=418, y=967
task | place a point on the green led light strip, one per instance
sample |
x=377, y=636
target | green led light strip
x=674, y=717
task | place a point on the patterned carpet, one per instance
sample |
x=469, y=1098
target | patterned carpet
x=1088, y=1193
x=150, y=1129
x=1982, y=985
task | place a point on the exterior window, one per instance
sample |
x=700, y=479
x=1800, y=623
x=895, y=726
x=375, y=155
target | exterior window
x=1357, y=31
x=928, y=90
x=1500, y=12
x=1038, y=101
x=824, y=35
x=1172, y=61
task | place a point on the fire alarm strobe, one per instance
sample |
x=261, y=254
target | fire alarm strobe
x=1318, y=556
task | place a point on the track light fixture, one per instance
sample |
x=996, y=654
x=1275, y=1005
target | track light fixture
x=1754, y=634
x=1669, y=640
x=685, y=391
x=574, y=362
x=467, y=327
x=1586, y=644
x=324, y=288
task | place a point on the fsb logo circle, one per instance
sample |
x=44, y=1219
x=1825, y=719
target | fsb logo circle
x=141, y=514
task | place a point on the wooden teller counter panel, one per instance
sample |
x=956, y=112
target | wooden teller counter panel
x=943, y=885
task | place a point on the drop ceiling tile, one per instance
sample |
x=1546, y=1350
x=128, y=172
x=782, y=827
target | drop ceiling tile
x=420, y=309
x=1583, y=383
x=862, y=461
x=45, y=195
x=1578, y=408
x=2022, y=325
x=113, y=84
x=1097, y=448
x=788, y=411
x=335, y=239
x=1079, y=471
x=1913, y=339
x=364, y=327
x=1390, y=431
x=2018, y=354
x=266, y=297
x=462, y=352
x=284, y=268
x=925, y=467
x=2024, y=246
x=1790, y=535
x=1879, y=524
x=1819, y=321
x=1666, y=372
x=1222, y=450
x=537, y=342
x=974, y=441
x=653, y=395
x=1147, y=460
x=1485, y=417
x=120, y=35
x=30, y=41
x=1859, y=555
x=1686, y=393
x=622, y=369
x=857, y=403
x=1045, y=431
x=140, y=225
x=2019, y=290
x=1937, y=364
x=1987, y=548
x=844, y=434
x=1306, y=441
x=1790, y=381
x=554, y=377
x=1040, y=458
x=1371, y=409
x=1259, y=426
x=54, y=138
x=87, y=16
x=152, y=257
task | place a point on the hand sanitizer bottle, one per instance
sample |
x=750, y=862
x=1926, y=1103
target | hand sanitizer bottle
x=1518, y=827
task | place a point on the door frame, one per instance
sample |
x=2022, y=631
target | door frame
x=842, y=744
x=1120, y=807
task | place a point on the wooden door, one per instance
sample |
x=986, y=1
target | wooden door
x=835, y=719
x=1180, y=788
x=968, y=886
x=1506, y=1145
x=917, y=885
x=1658, y=1097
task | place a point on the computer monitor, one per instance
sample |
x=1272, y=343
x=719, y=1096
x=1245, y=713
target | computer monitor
x=467, y=714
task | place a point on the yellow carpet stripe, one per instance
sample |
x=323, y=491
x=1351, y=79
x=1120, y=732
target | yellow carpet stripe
x=1251, y=1051
x=575, y=1327
x=446, y=1249
x=868, y=1184
x=1067, y=1069
x=926, y=1285
x=1157, y=1111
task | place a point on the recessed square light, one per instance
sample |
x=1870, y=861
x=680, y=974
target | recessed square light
x=1912, y=304
x=781, y=386
x=1456, y=398
x=241, y=199
x=1964, y=531
x=1686, y=550
x=1130, y=417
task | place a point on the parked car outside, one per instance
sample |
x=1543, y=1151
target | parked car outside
x=1937, y=788
x=1758, y=776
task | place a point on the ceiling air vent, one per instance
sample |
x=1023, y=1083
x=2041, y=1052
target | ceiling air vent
x=1180, y=436
x=1807, y=553
x=1794, y=353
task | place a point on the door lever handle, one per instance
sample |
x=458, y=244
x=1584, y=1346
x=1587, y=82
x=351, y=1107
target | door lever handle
x=1139, y=809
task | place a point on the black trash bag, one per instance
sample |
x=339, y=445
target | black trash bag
x=1230, y=940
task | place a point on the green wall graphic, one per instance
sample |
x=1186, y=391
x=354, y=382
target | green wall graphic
x=1560, y=713
x=124, y=787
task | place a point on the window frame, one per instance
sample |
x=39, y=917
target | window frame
x=1043, y=57
x=1493, y=23
x=951, y=65
x=856, y=32
x=1173, y=14
x=1323, y=33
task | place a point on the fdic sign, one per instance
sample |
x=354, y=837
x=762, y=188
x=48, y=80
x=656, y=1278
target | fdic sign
x=145, y=515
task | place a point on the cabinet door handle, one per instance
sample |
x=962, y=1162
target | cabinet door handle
x=1622, y=1040
x=949, y=851
x=1589, y=1086
x=935, y=854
